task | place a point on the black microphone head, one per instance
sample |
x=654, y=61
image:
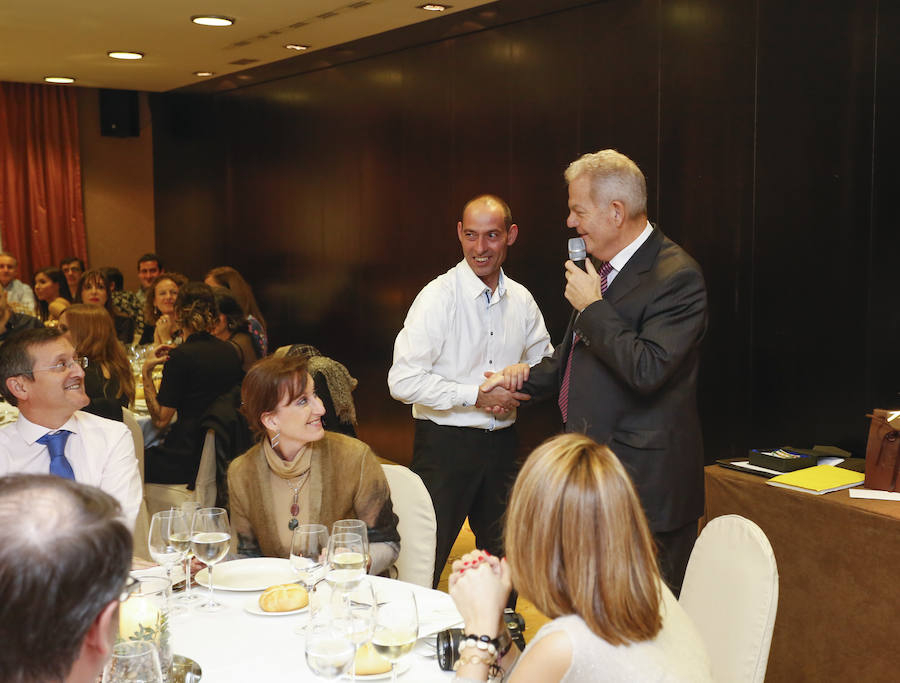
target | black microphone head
x=577, y=250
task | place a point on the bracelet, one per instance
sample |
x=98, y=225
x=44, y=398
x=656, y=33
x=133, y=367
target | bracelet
x=485, y=643
x=487, y=652
x=494, y=670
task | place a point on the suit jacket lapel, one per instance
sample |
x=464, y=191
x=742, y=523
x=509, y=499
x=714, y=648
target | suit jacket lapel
x=642, y=261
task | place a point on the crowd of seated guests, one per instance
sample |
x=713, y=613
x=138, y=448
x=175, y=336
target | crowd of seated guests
x=207, y=336
x=144, y=317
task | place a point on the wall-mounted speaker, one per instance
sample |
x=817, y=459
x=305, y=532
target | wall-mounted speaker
x=119, y=114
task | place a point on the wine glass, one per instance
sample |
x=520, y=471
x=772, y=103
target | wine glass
x=309, y=544
x=329, y=652
x=169, y=538
x=210, y=538
x=133, y=661
x=346, y=559
x=188, y=597
x=354, y=526
x=354, y=614
x=396, y=626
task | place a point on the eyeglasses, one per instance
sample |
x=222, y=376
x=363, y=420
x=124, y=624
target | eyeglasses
x=64, y=365
x=131, y=585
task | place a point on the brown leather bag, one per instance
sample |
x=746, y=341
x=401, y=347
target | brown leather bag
x=883, y=453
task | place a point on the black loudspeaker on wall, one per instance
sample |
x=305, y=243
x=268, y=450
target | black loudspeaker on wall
x=119, y=114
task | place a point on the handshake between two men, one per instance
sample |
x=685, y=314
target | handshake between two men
x=501, y=392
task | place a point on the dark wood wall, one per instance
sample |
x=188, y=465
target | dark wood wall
x=766, y=131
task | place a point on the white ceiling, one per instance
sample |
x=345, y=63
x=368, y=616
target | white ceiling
x=41, y=38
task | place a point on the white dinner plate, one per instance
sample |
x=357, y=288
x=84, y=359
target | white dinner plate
x=252, y=574
x=252, y=606
x=402, y=667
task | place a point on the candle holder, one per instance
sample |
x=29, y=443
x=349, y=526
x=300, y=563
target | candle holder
x=144, y=616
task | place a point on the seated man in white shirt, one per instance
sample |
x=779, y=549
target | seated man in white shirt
x=64, y=560
x=40, y=374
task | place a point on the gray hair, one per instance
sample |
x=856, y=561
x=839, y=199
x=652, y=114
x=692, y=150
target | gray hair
x=65, y=554
x=613, y=176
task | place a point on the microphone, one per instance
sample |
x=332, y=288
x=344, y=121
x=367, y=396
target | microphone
x=578, y=252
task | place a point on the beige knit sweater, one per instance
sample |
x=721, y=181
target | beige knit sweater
x=345, y=481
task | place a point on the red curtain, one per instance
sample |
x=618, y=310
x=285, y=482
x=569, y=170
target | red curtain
x=41, y=211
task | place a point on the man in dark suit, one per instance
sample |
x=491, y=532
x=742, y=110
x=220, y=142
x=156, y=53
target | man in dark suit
x=626, y=371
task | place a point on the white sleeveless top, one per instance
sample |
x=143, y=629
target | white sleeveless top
x=676, y=655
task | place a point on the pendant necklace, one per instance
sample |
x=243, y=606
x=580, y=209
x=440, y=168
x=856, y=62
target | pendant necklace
x=295, y=504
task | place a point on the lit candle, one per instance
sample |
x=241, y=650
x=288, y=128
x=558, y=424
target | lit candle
x=135, y=613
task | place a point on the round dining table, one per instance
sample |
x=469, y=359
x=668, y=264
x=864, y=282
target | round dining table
x=235, y=646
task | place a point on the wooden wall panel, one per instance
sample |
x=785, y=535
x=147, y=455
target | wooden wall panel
x=706, y=186
x=814, y=160
x=767, y=141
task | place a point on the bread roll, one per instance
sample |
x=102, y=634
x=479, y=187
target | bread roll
x=368, y=662
x=284, y=598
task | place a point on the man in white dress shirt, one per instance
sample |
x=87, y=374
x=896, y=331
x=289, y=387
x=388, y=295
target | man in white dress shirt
x=471, y=320
x=40, y=374
x=64, y=560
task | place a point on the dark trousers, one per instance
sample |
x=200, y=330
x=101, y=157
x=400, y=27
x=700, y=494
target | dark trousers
x=674, y=552
x=469, y=473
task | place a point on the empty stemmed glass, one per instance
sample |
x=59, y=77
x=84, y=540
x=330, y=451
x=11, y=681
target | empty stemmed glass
x=189, y=596
x=354, y=526
x=309, y=546
x=210, y=539
x=169, y=538
x=133, y=661
x=396, y=626
x=346, y=560
x=354, y=614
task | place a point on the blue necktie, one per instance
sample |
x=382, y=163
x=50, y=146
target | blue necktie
x=56, y=444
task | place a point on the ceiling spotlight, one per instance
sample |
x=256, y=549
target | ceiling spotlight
x=204, y=74
x=121, y=54
x=298, y=48
x=59, y=79
x=212, y=20
x=434, y=8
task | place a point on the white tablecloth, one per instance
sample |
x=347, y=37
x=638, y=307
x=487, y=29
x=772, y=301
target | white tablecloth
x=234, y=646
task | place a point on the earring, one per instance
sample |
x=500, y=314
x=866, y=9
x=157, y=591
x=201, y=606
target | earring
x=275, y=439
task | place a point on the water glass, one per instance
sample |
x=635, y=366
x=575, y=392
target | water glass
x=133, y=662
x=329, y=652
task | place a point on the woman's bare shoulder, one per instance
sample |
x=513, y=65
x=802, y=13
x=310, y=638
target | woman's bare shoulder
x=547, y=661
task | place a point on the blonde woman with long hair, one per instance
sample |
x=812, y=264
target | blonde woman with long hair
x=578, y=547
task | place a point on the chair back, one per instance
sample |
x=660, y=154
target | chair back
x=730, y=591
x=142, y=524
x=417, y=525
x=205, y=488
x=164, y=496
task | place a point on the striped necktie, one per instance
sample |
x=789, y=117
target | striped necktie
x=564, y=387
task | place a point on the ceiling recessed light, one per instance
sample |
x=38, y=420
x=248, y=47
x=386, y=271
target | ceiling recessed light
x=434, y=8
x=204, y=74
x=212, y=20
x=122, y=54
x=59, y=79
x=298, y=48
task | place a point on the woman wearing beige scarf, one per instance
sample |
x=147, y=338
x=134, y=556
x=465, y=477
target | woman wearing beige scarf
x=298, y=473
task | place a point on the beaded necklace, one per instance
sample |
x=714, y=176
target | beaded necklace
x=296, y=487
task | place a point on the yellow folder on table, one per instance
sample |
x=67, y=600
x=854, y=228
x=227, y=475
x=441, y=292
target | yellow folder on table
x=819, y=479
